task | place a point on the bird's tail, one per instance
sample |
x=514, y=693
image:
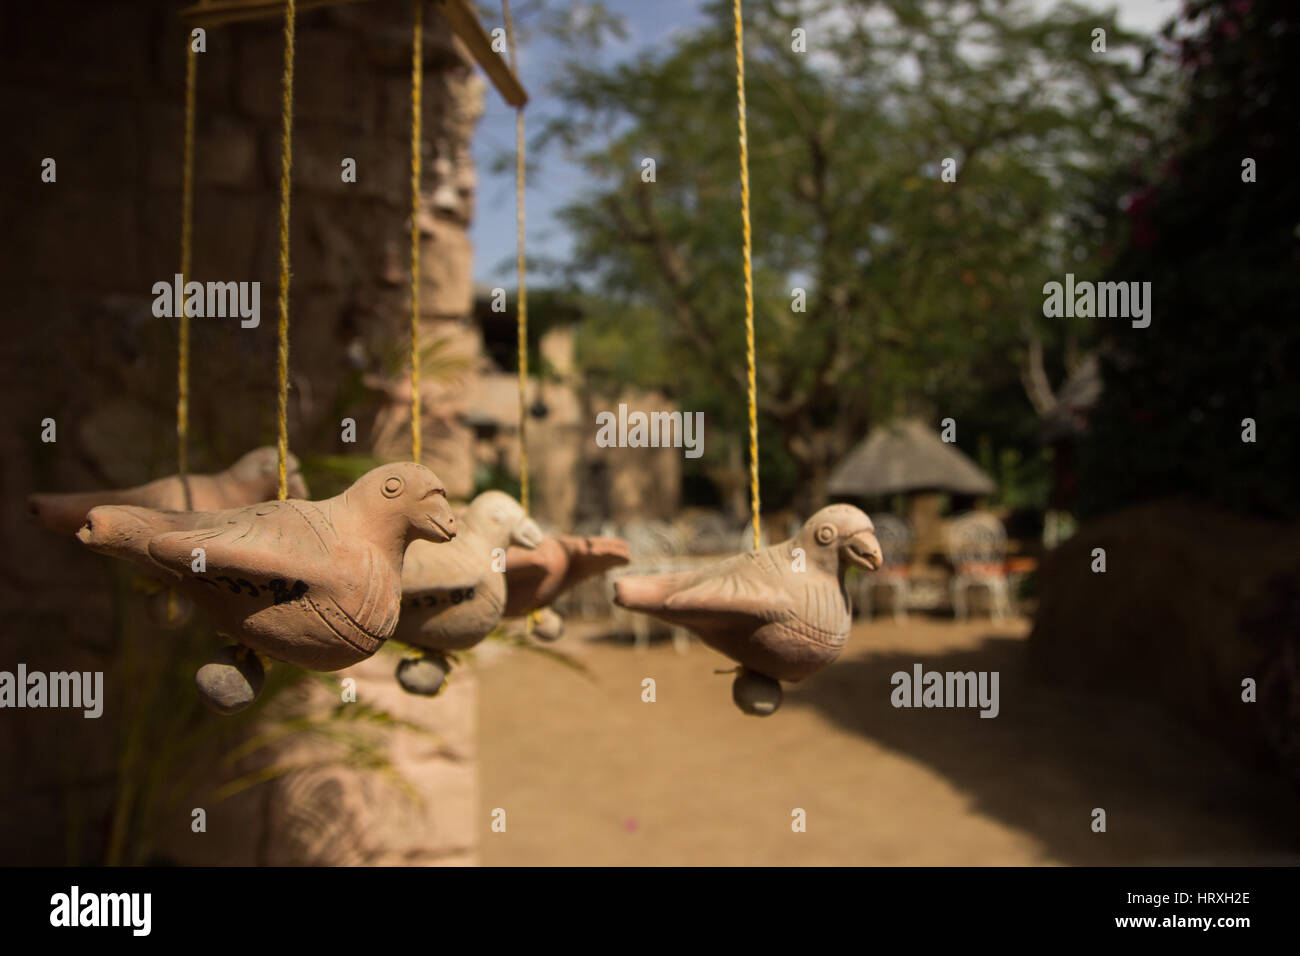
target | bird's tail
x=647, y=592
x=597, y=547
x=119, y=530
x=609, y=552
x=65, y=513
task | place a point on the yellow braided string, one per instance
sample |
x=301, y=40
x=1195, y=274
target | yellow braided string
x=183, y=346
x=520, y=265
x=523, y=311
x=417, y=96
x=286, y=163
x=749, y=272
x=187, y=233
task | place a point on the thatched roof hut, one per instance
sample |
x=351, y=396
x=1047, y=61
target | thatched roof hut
x=907, y=456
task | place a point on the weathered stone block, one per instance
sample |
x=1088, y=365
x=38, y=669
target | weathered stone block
x=318, y=153
x=226, y=153
x=260, y=58
x=88, y=45
x=70, y=224
x=226, y=230
x=338, y=94
x=446, y=270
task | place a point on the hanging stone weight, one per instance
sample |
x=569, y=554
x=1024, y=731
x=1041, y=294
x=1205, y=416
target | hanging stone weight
x=756, y=693
x=230, y=680
x=425, y=676
x=547, y=625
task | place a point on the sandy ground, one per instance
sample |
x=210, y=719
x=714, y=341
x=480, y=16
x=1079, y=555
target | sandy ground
x=588, y=774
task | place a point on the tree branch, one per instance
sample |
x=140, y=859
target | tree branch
x=1033, y=375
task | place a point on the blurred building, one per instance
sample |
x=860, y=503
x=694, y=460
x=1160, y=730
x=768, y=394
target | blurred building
x=572, y=480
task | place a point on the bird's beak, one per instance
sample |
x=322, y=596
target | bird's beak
x=441, y=520
x=113, y=530
x=526, y=534
x=863, y=550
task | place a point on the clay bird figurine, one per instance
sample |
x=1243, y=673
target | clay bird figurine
x=453, y=595
x=782, y=613
x=312, y=583
x=254, y=478
x=536, y=578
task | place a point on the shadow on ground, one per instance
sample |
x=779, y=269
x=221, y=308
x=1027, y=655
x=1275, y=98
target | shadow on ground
x=1050, y=757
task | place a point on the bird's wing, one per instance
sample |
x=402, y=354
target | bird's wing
x=744, y=591
x=247, y=564
x=161, y=521
x=612, y=548
x=738, y=587
x=595, y=556
x=443, y=567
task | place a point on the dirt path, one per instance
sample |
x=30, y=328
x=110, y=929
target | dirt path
x=589, y=774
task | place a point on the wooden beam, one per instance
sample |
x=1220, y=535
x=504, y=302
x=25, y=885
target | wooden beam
x=465, y=22
x=219, y=13
x=460, y=16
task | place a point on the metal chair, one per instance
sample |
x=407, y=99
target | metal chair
x=896, y=537
x=977, y=547
x=709, y=533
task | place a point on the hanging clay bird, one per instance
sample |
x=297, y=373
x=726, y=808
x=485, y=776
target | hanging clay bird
x=312, y=583
x=453, y=595
x=536, y=578
x=782, y=613
x=254, y=478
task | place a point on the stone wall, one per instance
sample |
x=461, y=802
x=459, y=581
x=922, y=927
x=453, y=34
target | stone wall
x=100, y=88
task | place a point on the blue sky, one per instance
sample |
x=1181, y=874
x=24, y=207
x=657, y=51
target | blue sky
x=555, y=182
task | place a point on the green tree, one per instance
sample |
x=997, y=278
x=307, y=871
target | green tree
x=1223, y=257
x=917, y=290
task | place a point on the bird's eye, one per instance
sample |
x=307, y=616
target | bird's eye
x=825, y=534
x=393, y=486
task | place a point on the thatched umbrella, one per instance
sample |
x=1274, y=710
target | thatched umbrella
x=908, y=457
